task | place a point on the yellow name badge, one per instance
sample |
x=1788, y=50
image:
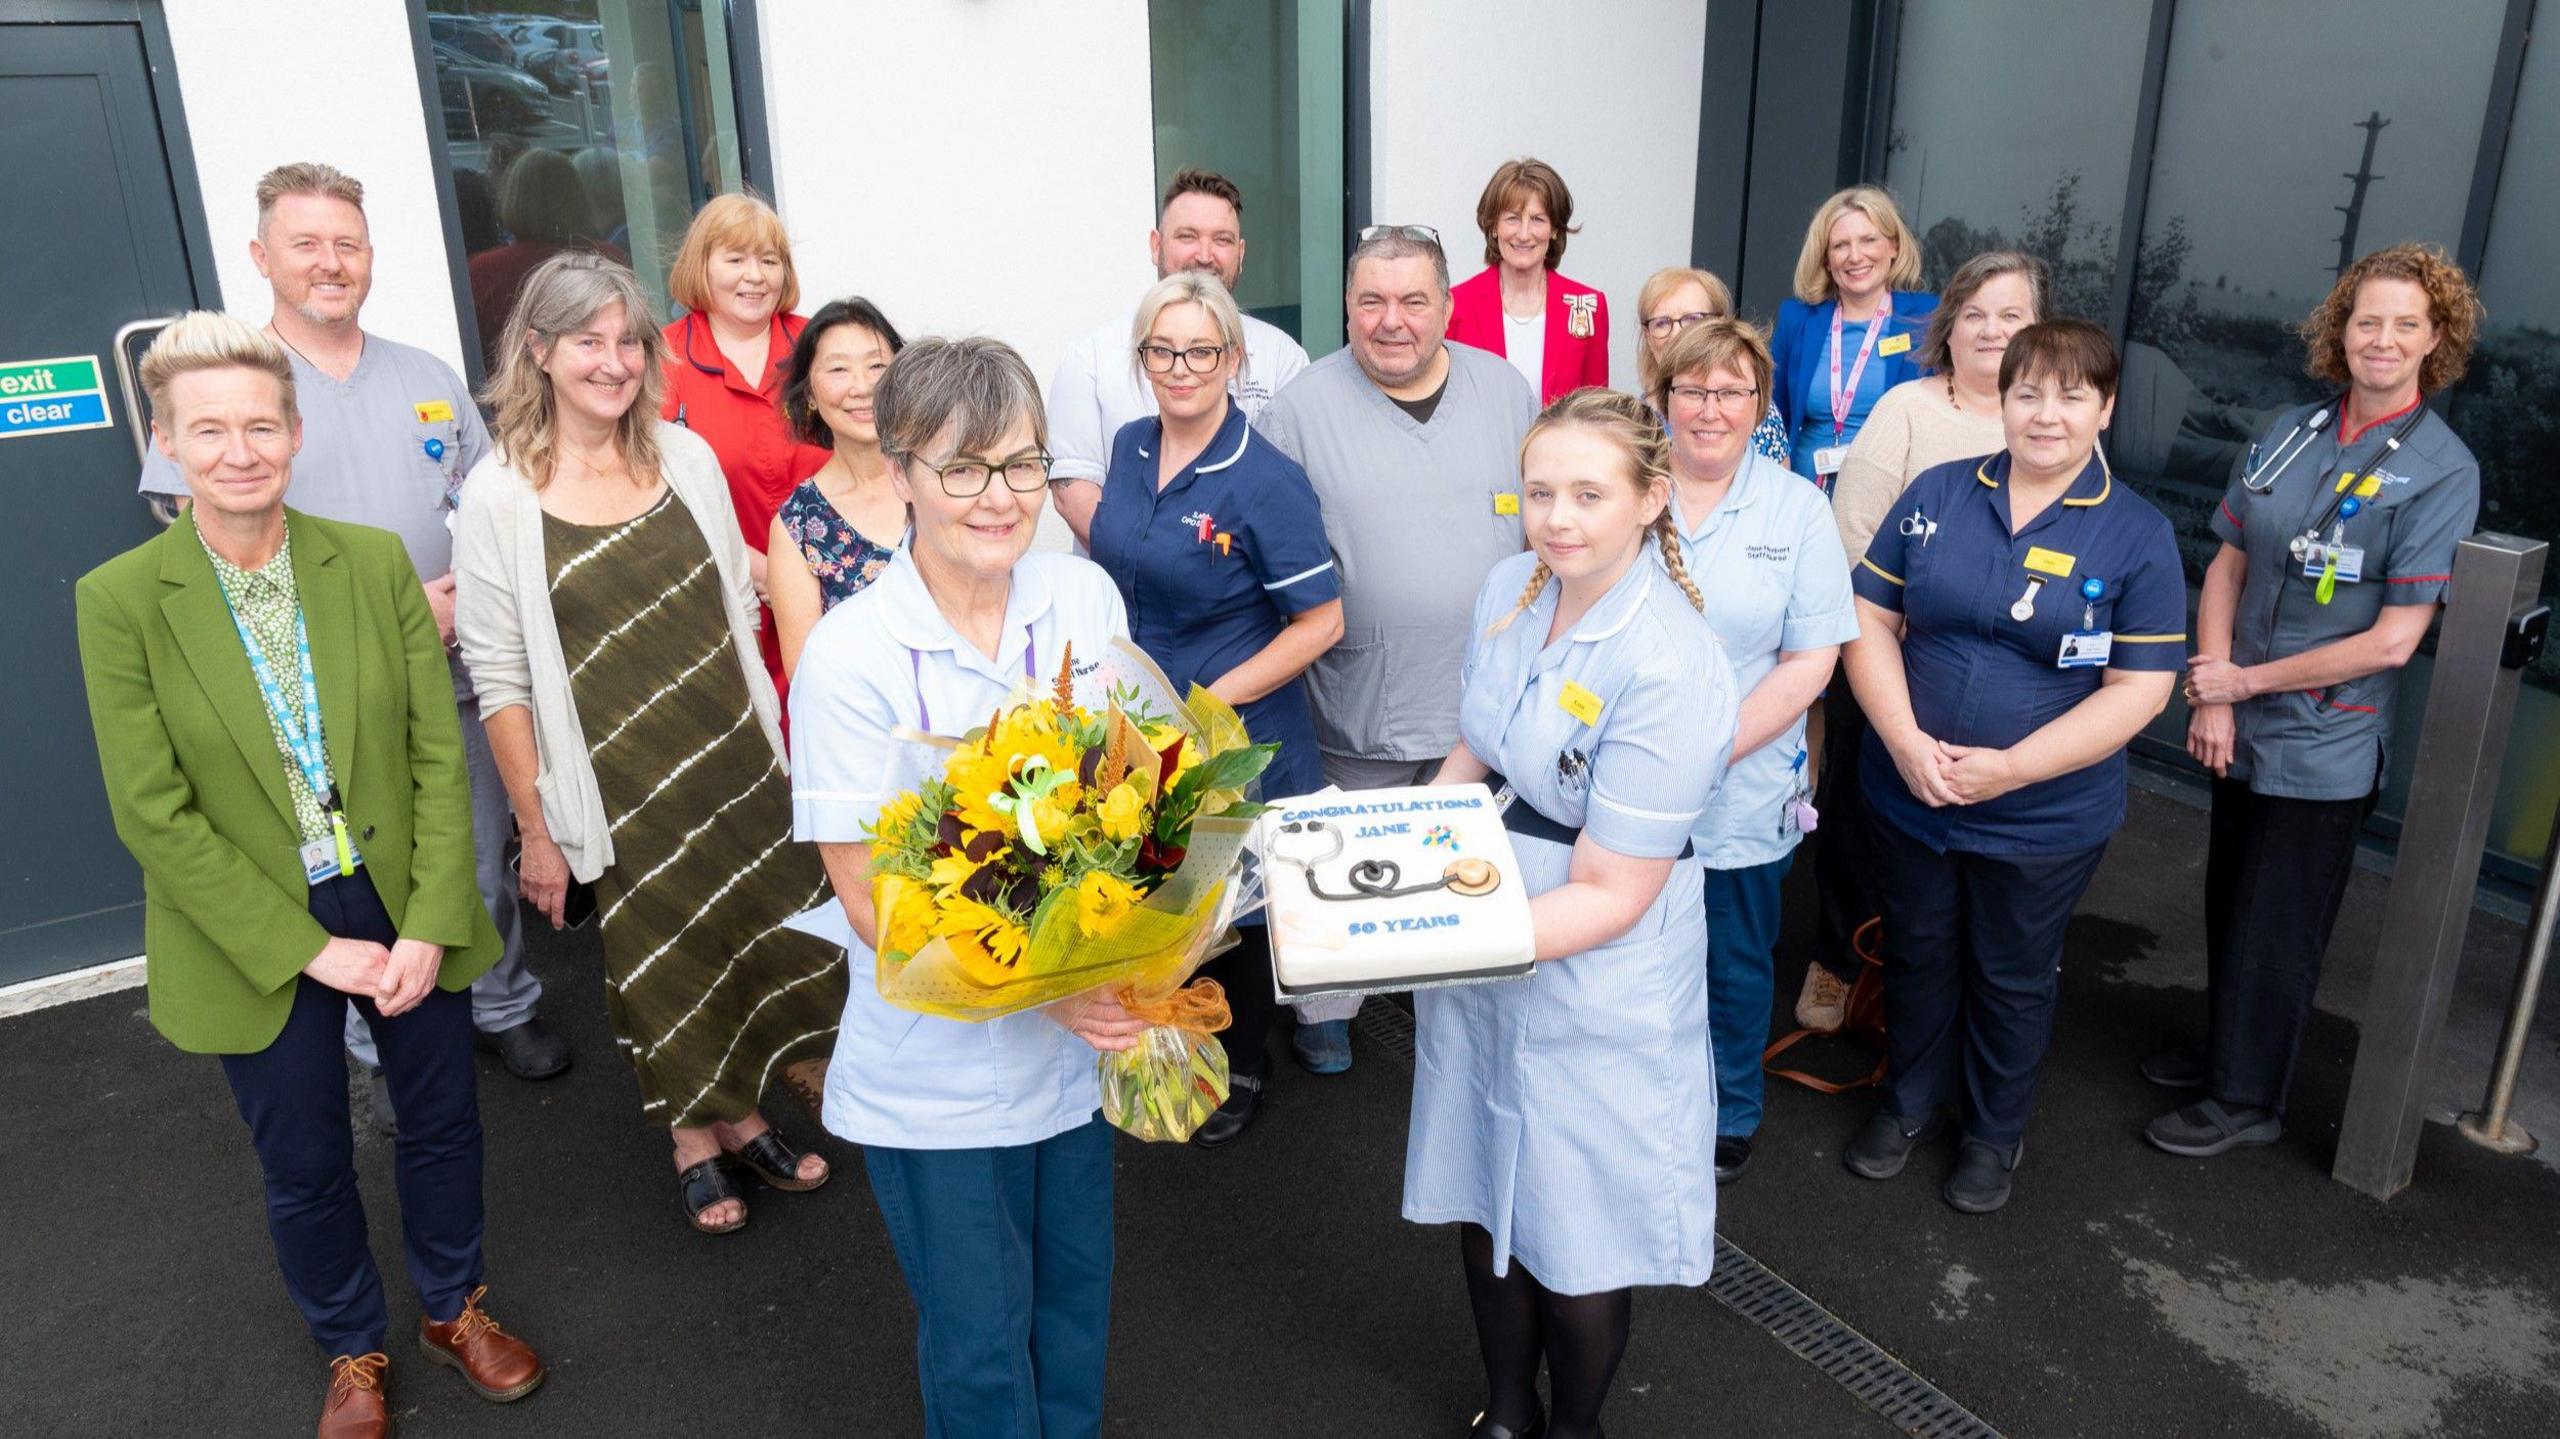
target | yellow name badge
x=1894, y=345
x=2371, y=487
x=1506, y=503
x=1580, y=703
x=2049, y=562
x=433, y=412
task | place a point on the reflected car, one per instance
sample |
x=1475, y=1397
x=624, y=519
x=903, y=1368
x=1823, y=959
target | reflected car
x=574, y=57
x=473, y=36
x=480, y=97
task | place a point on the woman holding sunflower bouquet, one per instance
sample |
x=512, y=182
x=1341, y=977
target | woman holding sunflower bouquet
x=982, y=1140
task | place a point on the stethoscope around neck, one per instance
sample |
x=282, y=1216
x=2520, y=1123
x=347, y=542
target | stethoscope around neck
x=2343, y=503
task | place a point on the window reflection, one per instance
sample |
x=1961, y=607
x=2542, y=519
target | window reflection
x=2012, y=120
x=2256, y=155
x=601, y=125
x=2508, y=411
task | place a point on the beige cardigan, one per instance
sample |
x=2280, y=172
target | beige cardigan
x=502, y=615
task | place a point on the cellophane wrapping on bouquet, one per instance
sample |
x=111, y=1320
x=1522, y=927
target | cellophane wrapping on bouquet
x=1065, y=851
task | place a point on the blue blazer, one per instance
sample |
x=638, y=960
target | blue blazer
x=1802, y=341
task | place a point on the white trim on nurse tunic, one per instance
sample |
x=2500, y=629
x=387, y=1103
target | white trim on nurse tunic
x=884, y=658
x=1572, y=1114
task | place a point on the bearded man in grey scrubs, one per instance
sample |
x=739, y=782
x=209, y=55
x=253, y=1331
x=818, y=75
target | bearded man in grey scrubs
x=1413, y=445
x=388, y=433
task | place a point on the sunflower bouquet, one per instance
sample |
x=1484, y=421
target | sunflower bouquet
x=1064, y=851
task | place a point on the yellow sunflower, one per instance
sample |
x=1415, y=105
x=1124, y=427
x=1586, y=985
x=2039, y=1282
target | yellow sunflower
x=1103, y=901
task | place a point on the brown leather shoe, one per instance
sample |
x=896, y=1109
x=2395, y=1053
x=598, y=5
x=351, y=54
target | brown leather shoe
x=494, y=1362
x=355, y=1408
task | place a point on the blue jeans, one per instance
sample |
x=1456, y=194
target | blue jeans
x=293, y=1096
x=1007, y=1253
x=1742, y=935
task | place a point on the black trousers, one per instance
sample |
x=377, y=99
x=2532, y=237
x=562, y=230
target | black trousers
x=2275, y=874
x=1843, y=859
x=1972, y=970
x=1245, y=973
x=293, y=1096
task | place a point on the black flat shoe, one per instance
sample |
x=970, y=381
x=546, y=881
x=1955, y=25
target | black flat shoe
x=1733, y=1155
x=528, y=1050
x=2207, y=1128
x=1485, y=1428
x=775, y=1162
x=2174, y=1069
x=706, y=1184
x=1980, y=1183
x=1233, y=1118
x=1881, y=1149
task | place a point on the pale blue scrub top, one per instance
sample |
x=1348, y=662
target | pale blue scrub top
x=1768, y=560
x=886, y=658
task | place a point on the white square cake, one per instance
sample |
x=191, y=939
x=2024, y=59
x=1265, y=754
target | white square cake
x=1373, y=891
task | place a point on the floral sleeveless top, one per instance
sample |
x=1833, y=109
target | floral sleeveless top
x=843, y=559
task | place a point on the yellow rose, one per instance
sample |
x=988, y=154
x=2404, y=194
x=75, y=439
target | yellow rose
x=1124, y=812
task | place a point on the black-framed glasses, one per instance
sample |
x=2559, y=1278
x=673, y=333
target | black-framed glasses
x=966, y=478
x=1410, y=232
x=1723, y=399
x=1198, y=359
x=1661, y=325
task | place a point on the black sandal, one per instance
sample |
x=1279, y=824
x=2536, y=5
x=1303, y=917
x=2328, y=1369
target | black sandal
x=705, y=1184
x=777, y=1163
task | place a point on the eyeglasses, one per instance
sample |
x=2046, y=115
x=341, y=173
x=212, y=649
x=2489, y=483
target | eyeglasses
x=1198, y=359
x=1661, y=325
x=1698, y=398
x=1410, y=232
x=966, y=479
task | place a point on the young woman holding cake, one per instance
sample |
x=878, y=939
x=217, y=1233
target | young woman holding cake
x=1565, y=1124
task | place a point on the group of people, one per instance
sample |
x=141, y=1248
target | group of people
x=670, y=622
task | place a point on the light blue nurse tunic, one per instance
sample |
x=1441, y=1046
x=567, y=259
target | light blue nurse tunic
x=1572, y=1114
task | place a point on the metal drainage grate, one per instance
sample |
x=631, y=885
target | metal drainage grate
x=1747, y=1287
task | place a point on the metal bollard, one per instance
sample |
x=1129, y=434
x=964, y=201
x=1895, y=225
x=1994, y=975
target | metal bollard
x=2490, y=1126
x=2489, y=633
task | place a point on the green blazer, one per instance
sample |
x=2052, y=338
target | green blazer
x=197, y=785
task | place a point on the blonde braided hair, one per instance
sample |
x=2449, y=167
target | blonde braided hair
x=1624, y=421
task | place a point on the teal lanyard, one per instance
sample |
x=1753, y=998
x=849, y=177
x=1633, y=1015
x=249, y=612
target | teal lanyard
x=305, y=743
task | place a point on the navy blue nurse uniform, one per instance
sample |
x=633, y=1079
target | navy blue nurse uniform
x=1214, y=565
x=1976, y=896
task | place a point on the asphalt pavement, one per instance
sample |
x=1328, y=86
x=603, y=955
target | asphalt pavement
x=1269, y=1288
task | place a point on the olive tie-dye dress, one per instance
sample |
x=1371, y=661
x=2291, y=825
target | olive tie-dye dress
x=710, y=997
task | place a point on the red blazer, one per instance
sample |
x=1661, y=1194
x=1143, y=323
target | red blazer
x=1577, y=329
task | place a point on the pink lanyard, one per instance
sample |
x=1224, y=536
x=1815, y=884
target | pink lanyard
x=915, y=667
x=1840, y=397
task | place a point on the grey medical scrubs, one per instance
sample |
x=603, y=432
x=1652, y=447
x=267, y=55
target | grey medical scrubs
x=1416, y=513
x=2415, y=505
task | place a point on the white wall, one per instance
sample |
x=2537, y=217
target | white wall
x=1608, y=94
x=264, y=86
x=972, y=166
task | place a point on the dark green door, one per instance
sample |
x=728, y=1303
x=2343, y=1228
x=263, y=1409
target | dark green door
x=93, y=244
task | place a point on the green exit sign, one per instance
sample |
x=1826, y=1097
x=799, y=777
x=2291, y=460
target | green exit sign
x=49, y=377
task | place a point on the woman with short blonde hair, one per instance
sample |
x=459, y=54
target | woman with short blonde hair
x=1670, y=302
x=727, y=361
x=1848, y=333
x=602, y=602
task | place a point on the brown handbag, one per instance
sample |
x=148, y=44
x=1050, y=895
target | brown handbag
x=1862, y=1018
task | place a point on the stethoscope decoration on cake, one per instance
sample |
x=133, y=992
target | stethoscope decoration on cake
x=1373, y=878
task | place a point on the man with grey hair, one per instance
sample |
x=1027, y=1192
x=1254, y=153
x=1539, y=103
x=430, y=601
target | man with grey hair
x=1413, y=445
x=388, y=433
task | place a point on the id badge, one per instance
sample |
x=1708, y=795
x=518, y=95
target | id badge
x=320, y=860
x=1826, y=460
x=2350, y=562
x=2085, y=649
